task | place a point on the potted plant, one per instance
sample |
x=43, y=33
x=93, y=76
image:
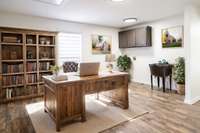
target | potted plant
x=179, y=75
x=55, y=69
x=124, y=63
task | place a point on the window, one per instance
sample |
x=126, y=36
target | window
x=69, y=47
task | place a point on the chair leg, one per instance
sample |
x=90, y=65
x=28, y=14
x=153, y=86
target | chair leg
x=158, y=78
x=97, y=96
x=163, y=79
x=151, y=82
x=170, y=82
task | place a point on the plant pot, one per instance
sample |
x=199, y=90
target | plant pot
x=181, y=89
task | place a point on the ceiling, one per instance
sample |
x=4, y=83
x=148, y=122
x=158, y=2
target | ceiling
x=100, y=12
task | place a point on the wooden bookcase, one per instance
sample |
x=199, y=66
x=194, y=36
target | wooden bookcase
x=25, y=56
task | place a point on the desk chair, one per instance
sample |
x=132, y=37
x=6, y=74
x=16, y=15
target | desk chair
x=70, y=67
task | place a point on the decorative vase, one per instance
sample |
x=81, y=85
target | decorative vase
x=181, y=89
x=55, y=74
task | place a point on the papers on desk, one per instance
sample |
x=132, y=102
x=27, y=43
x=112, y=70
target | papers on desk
x=60, y=77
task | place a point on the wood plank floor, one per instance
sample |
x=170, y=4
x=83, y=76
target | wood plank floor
x=167, y=114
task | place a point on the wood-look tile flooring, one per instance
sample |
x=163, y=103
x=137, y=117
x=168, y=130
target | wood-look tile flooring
x=167, y=114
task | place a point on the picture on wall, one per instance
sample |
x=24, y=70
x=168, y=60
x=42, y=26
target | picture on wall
x=172, y=37
x=101, y=44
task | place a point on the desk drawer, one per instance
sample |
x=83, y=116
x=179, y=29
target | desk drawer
x=104, y=84
x=111, y=83
x=90, y=87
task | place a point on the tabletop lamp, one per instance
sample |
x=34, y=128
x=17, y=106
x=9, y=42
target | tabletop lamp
x=110, y=58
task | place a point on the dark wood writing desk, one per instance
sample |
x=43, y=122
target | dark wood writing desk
x=65, y=100
x=163, y=71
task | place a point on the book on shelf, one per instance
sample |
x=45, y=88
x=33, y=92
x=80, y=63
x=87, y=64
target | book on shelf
x=41, y=89
x=31, y=67
x=13, y=80
x=31, y=90
x=9, y=93
x=44, y=66
x=16, y=68
x=11, y=39
x=32, y=78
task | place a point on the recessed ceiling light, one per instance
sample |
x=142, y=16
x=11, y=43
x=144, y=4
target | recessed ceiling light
x=54, y=2
x=130, y=20
x=117, y=0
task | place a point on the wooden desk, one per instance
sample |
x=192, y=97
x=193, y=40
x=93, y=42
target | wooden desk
x=65, y=100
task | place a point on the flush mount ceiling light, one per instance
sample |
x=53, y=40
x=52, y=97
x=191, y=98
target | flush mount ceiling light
x=117, y=0
x=53, y=2
x=130, y=20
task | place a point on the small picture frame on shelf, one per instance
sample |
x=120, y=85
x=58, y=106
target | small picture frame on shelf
x=19, y=41
x=29, y=54
x=13, y=55
x=29, y=41
x=44, y=55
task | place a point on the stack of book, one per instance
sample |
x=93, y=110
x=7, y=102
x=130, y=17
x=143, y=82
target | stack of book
x=31, y=90
x=13, y=80
x=8, y=93
x=41, y=89
x=31, y=67
x=11, y=39
x=32, y=78
x=12, y=68
x=44, y=66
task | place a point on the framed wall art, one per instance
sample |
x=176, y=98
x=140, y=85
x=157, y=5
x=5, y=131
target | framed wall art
x=101, y=44
x=172, y=37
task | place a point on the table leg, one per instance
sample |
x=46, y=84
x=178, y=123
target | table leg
x=151, y=82
x=83, y=114
x=170, y=80
x=163, y=84
x=97, y=96
x=57, y=127
x=158, y=78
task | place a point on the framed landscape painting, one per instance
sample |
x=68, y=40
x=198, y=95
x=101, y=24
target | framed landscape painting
x=172, y=37
x=101, y=44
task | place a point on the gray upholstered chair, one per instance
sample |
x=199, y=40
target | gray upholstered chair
x=70, y=67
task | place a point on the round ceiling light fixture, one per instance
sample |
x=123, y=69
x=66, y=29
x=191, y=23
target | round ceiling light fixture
x=130, y=20
x=117, y=0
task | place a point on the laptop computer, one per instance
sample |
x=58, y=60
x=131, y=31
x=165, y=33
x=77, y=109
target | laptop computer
x=89, y=69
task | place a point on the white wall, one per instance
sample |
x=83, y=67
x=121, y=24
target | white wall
x=22, y=21
x=192, y=33
x=145, y=56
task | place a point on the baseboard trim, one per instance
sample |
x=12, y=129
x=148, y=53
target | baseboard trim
x=193, y=101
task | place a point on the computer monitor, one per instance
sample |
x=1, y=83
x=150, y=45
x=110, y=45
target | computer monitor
x=89, y=68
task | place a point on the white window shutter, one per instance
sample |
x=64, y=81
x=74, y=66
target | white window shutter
x=69, y=47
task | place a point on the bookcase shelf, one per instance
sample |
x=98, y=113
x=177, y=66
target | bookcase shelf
x=21, y=56
x=21, y=98
x=10, y=74
x=33, y=72
x=33, y=45
x=47, y=45
x=47, y=59
x=31, y=60
x=12, y=44
x=31, y=84
x=12, y=60
x=12, y=86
